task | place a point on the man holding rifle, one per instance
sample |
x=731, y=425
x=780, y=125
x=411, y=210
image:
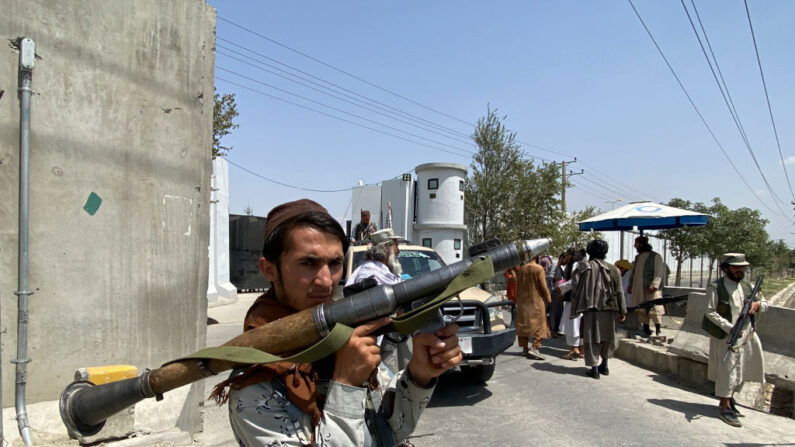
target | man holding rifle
x=729, y=370
x=344, y=399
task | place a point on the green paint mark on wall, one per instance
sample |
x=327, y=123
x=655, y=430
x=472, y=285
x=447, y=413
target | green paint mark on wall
x=92, y=204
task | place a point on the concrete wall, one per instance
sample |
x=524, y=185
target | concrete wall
x=124, y=110
x=219, y=288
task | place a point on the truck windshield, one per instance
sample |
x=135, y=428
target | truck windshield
x=414, y=262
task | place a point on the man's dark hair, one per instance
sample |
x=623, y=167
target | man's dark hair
x=274, y=246
x=597, y=249
x=577, y=256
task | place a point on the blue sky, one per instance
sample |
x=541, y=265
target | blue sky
x=577, y=78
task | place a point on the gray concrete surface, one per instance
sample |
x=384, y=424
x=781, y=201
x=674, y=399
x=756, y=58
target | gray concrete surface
x=123, y=110
x=785, y=297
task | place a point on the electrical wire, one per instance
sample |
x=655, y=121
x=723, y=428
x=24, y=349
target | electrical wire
x=461, y=153
x=732, y=110
x=354, y=103
x=379, y=104
x=703, y=120
x=640, y=194
x=611, y=191
x=340, y=89
x=287, y=185
x=767, y=98
x=342, y=71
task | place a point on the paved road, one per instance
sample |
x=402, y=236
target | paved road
x=554, y=403
x=550, y=403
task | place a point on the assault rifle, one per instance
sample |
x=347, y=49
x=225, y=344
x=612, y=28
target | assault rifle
x=651, y=303
x=742, y=321
x=85, y=406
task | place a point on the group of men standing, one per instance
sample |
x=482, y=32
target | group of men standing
x=597, y=293
x=596, y=303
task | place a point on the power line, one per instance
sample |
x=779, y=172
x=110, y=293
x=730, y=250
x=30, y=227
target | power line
x=342, y=99
x=594, y=193
x=287, y=185
x=703, y=120
x=641, y=194
x=767, y=98
x=343, y=111
x=342, y=71
x=611, y=191
x=352, y=94
x=337, y=117
x=441, y=127
x=730, y=106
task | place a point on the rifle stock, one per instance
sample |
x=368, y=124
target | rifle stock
x=85, y=407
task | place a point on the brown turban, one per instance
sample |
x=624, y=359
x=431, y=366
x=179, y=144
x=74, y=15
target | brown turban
x=289, y=210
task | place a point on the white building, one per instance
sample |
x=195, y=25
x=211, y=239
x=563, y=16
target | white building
x=428, y=211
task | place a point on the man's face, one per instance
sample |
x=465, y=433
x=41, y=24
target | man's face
x=309, y=268
x=736, y=272
x=393, y=248
x=637, y=244
x=392, y=261
x=365, y=218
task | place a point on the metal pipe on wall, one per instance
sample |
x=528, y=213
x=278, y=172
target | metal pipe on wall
x=27, y=56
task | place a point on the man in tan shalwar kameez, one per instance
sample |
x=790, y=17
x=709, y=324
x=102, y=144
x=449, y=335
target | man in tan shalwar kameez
x=532, y=297
x=725, y=299
x=646, y=284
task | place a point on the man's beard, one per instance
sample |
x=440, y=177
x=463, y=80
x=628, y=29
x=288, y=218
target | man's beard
x=736, y=278
x=394, y=264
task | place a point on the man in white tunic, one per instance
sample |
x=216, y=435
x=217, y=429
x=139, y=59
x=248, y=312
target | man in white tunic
x=724, y=302
x=382, y=262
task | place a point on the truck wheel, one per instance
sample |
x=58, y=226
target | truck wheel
x=479, y=373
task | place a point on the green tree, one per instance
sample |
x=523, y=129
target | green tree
x=496, y=170
x=781, y=258
x=511, y=197
x=741, y=230
x=224, y=114
x=686, y=242
x=569, y=234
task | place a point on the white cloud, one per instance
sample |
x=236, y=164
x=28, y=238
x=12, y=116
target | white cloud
x=789, y=160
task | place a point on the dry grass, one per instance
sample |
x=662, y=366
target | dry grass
x=771, y=286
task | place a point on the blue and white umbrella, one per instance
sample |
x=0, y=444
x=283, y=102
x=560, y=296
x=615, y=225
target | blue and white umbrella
x=644, y=216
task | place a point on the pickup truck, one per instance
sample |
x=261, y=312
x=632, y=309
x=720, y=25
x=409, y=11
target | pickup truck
x=486, y=321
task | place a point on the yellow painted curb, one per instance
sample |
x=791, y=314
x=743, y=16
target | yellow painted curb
x=99, y=375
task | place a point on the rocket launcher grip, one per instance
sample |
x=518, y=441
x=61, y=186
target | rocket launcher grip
x=85, y=407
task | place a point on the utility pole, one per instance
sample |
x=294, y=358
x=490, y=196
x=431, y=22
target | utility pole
x=563, y=181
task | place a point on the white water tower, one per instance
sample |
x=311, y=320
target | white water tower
x=440, y=209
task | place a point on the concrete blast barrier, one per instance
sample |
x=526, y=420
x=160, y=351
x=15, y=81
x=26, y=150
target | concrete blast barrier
x=121, y=137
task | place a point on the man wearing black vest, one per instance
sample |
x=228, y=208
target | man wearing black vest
x=646, y=284
x=724, y=302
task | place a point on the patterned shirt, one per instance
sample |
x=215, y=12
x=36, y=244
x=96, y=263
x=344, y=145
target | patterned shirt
x=261, y=414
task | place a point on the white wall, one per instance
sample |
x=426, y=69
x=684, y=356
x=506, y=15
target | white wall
x=400, y=194
x=218, y=284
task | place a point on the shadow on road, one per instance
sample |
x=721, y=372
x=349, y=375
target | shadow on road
x=558, y=369
x=455, y=390
x=691, y=410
